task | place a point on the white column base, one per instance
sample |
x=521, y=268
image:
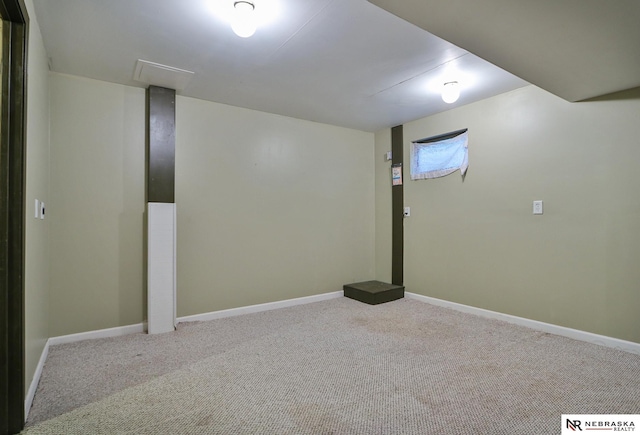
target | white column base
x=161, y=267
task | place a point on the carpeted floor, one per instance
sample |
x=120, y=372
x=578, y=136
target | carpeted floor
x=333, y=367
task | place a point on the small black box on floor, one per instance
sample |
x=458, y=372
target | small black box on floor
x=373, y=292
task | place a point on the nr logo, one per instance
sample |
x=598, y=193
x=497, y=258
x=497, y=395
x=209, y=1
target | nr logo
x=574, y=425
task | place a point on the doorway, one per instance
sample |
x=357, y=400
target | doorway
x=12, y=214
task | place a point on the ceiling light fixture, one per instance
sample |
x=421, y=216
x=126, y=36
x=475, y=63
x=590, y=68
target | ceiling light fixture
x=450, y=92
x=243, y=21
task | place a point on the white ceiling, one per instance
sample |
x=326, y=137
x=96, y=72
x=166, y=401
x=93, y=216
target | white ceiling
x=341, y=62
x=576, y=49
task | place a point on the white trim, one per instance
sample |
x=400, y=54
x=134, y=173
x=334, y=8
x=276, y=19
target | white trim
x=161, y=267
x=28, y=400
x=626, y=346
x=260, y=307
x=602, y=340
x=140, y=327
x=101, y=333
x=72, y=338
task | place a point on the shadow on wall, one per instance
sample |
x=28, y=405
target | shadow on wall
x=629, y=94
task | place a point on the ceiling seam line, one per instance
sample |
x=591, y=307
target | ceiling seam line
x=300, y=29
x=418, y=75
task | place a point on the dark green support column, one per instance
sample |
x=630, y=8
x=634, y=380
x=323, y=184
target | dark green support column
x=397, y=210
x=161, y=155
x=161, y=210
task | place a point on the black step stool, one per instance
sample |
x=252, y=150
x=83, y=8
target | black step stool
x=373, y=292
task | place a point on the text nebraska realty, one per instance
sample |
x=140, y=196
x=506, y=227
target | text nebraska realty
x=615, y=426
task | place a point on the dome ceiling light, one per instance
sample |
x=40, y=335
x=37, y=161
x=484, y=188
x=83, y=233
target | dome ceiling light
x=243, y=21
x=450, y=92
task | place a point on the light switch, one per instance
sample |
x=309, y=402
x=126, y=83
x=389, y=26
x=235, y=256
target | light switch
x=407, y=212
x=537, y=207
x=41, y=210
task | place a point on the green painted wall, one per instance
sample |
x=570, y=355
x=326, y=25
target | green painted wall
x=383, y=206
x=97, y=204
x=269, y=207
x=37, y=187
x=477, y=243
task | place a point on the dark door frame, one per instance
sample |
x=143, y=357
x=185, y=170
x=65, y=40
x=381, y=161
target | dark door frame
x=12, y=216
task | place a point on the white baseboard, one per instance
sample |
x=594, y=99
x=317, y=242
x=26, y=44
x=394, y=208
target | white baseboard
x=602, y=340
x=626, y=346
x=140, y=327
x=28, y=400
x=260, y=307
x=101, y=333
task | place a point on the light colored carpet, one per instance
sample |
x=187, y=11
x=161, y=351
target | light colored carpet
x=333, y=367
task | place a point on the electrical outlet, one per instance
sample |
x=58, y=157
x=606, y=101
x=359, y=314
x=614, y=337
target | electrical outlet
x=537, y=207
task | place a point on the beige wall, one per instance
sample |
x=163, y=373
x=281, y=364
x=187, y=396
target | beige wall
x=37, y=186
x=383, y=206
x=477, y=243
x=97, y=204
x=269, y=207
